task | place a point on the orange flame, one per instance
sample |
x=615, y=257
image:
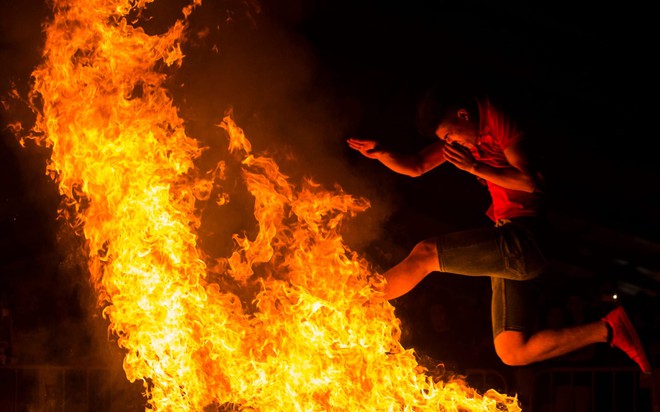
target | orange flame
x=318, y=336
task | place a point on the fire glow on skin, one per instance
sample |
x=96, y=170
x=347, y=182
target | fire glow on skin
x=318, y=334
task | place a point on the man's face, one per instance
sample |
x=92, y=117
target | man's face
x=457, y=131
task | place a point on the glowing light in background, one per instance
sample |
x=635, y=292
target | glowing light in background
x=316, y=335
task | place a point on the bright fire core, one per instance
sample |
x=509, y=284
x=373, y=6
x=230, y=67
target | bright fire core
x=315, y=336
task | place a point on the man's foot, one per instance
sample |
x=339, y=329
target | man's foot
x=624, y=337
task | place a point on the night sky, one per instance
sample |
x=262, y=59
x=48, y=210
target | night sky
x=302, y=76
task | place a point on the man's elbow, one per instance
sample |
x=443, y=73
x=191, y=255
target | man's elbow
x=415, y=166
x=530, y=183
x=414, y=172
x=531, y=188
x=536, y=183
x=528, y=188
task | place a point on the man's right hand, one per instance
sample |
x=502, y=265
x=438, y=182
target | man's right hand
x=368, y=148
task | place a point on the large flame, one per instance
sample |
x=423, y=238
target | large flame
x=316, y=336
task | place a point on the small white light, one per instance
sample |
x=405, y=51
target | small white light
x=615, y=297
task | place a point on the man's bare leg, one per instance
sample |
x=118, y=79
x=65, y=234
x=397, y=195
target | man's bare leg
x=515, y=348
x=404, y=276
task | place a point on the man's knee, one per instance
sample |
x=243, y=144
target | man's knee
x=426, y=254
x=510, y=347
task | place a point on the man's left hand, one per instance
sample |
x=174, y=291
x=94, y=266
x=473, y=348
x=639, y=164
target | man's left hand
x=459, y=156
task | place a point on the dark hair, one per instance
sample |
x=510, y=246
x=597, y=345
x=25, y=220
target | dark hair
x=440, y=102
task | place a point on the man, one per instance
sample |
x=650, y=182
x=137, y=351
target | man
x=478, y=138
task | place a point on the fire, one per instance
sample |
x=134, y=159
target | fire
x=316, y=334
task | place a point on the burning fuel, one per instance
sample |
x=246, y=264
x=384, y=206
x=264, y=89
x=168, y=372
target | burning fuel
x=317, y=334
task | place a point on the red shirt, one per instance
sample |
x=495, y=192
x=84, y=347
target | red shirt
x=497, y=132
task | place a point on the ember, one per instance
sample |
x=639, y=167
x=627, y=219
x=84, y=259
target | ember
x=317, y=334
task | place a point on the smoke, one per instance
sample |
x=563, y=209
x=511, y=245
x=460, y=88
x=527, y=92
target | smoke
x=245, y=56
x=255, y=60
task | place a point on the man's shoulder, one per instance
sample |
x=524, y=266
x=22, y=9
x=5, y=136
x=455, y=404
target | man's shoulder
x=498, y=123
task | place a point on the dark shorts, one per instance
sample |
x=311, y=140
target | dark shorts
x=511, y=256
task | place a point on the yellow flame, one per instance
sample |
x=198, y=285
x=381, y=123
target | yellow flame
x=317, y=335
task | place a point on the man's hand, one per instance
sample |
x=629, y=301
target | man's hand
x=368, y=148
x=460, y=157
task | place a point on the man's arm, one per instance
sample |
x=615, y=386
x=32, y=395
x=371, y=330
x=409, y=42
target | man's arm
x=406, y=164
x=519, y=176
